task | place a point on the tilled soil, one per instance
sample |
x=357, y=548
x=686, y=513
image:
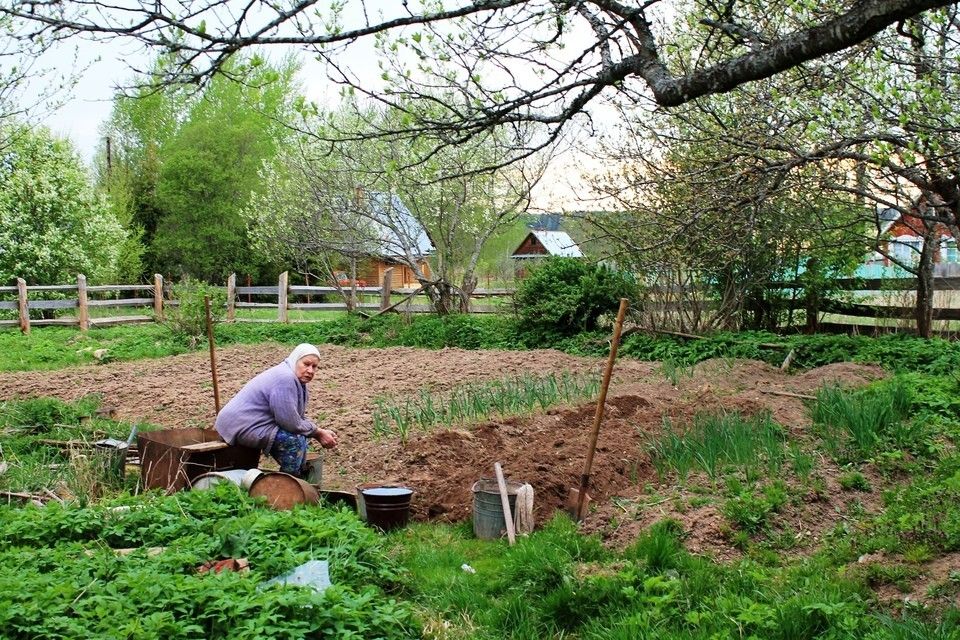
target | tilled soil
x=546, y=449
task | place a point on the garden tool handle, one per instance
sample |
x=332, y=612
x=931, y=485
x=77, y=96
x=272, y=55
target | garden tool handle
x=598, y=415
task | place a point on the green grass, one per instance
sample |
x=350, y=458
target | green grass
x=558, y=584
x=29, y=431
x=854, y=425
x=715, y=441
x=477, y=401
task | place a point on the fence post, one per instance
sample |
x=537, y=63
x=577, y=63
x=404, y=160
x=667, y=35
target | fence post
x=232, y=297
x=157, y=297
x=83, y=313
x=22, y=308
x=386, y=286
x=282, y=298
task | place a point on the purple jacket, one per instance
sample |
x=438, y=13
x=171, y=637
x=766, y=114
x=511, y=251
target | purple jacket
x=273, y=400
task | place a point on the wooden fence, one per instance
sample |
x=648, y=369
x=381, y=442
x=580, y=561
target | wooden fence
x=82, y=298
x=284, y=298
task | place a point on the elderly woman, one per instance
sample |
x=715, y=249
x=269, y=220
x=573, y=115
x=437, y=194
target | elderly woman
x=269, y=412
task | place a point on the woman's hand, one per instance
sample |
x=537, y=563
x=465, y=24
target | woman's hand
x=326, y=437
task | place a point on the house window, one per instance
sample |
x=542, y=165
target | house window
x=950, y=251
x=906, y=251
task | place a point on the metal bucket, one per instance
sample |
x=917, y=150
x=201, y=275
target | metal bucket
x=488, y=520
x=314, y=466
x=110, y=457
x=386, y=508
x=283, y=491
x=207, y=480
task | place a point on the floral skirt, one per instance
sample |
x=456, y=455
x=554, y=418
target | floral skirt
x=290, y=452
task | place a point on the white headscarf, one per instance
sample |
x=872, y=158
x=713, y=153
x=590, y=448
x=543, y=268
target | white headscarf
x=301, y=351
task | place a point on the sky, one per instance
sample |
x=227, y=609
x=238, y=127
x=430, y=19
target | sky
x=107, y=65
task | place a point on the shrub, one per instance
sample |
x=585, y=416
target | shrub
x=187, y=320
x=566, y=295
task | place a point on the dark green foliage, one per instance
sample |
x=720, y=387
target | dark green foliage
x=929, y=362
x=187, y=320
x=750, y=511
x=565, y=296
x=59, y=575
x=854, y=481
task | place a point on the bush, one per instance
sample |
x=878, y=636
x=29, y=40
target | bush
x=188, y=319
x=565, y=295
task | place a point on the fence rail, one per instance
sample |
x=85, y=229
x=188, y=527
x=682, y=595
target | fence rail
x=287, y=298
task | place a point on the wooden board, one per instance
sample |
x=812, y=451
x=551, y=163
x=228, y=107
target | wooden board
x=212, y=445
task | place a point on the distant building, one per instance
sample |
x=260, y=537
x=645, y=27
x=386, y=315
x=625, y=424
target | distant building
x=397, y=239
x=901, y=236
x=543, y=244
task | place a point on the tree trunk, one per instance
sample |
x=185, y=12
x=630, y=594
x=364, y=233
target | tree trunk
x=924, y=308
x=466, y=290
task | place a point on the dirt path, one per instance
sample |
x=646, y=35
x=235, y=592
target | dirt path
x=545, y=449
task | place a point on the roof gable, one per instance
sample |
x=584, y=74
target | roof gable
x=538, y=244
x=396, y=231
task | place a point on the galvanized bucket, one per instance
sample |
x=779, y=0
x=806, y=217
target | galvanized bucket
x=488, y=520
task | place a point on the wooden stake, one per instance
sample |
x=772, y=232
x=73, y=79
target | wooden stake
x=282, y=297
x=83, y=312
x=157, y=297
x=213, y=356
x=385, y=286
x=505, y=502
x=22, y=308
x=232, y=298
x=598, y=416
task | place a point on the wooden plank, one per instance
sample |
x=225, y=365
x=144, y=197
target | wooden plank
x=125, y=302
x=48, y=322
x=53, y=304
x=262, y=291
x=256, y=305
x=12, y=289
x=212, y=445
x=865, y=311
x=328, y=306
x=120, y=287
x=116, y=320
x=54, y=287
x=8, y=304
x=301, y=290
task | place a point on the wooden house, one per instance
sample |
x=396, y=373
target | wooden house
x=901, y=235
x=398, y=240
x=540, y=244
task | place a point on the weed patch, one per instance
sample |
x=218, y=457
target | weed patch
x=717, y=440
x=473, y=402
